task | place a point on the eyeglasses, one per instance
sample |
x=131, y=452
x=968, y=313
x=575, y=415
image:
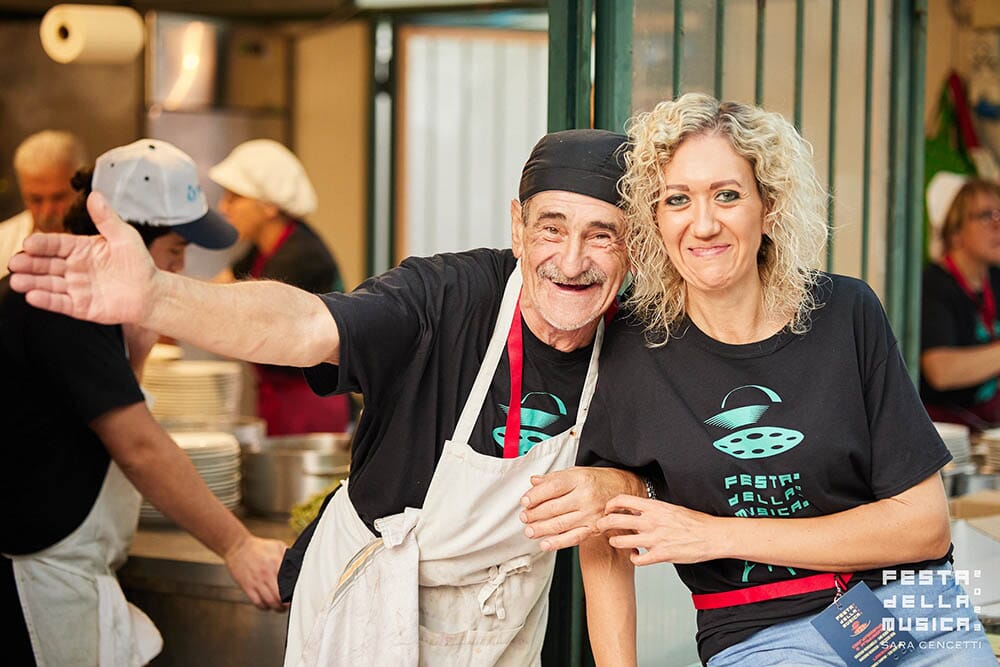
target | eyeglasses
x=987, y=216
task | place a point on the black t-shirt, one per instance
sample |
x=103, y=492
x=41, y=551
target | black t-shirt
x=949, y=318
x=303, y=260
x=411, y=341
x=791, y=426
x=59, y=375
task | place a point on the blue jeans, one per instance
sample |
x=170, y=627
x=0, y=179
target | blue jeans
x=798, y=643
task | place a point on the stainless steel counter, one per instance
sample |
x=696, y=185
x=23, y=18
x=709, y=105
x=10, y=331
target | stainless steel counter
x=204, y=617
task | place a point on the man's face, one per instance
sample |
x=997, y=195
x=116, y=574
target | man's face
x=47, y=194
x=573, y=262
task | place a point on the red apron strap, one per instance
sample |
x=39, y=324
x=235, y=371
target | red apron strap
x=512, y=432
x=515, y=356
x=987, y=306
x=261, y=259
x=778, y=589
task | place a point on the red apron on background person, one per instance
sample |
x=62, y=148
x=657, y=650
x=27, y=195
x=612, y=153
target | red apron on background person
x=289, y=406
x=986, y=413
x=284, y=399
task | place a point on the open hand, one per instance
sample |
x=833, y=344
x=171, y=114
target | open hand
x=108, y=278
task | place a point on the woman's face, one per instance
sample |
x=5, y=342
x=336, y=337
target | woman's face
x=710, y=215
x=979, y=234
x=247, y=215
x=168, y=252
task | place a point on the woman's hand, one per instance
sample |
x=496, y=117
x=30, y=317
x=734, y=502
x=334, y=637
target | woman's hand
x=906, y=528
x=668, y=533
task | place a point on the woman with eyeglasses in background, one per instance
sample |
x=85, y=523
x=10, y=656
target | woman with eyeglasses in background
x=960, y=332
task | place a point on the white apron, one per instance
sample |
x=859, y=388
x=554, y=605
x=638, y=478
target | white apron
x=454, y=583
x=73, y=606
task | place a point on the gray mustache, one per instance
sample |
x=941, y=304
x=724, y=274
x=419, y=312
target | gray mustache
x=591, y=276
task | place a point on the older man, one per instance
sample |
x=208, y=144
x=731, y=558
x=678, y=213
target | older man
x=44, y=163
x=477, y=369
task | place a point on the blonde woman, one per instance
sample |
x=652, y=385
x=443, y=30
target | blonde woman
x=793, y=461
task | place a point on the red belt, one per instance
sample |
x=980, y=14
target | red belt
x=778, y=589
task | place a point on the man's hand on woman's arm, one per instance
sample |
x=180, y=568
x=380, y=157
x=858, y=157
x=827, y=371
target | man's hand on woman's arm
x=562, y=508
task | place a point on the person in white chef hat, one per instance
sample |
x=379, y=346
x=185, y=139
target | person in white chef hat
x=268, y=196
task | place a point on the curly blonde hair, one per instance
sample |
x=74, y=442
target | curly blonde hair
x=794, y=200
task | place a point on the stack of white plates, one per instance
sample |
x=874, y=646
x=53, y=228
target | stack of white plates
x=989, y=446
x=196, y=387
x=956, y=439
x=216, y=456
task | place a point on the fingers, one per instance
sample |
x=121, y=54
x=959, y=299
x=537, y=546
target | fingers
x=547, y=487
x=254, y=564
x=548, y=509
x=557, y=525
x=647, y=558
x=570, y=538
x=626, y=504
x=620, y=522
x=25, y=282
x=104, y=218
x=629, y=541
x=31, y=265
x=57, y=303
x=51, y=245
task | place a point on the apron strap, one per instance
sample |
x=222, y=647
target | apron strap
x=509, y=310
x=515, y=356
x=986, y=306
x=488, y=367
x=590, y=383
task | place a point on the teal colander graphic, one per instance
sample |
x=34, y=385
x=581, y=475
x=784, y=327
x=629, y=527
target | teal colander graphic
x=755, y=442
x=532, y=420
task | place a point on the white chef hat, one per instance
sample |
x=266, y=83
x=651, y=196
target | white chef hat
x=941, y=193
x=264, y=169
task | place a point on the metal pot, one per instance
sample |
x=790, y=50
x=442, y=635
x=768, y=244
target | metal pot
x=284, y=470
x=955, y=476
x=976, y=482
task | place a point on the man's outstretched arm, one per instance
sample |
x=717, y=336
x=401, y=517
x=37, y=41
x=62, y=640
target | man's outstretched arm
x=111, y=279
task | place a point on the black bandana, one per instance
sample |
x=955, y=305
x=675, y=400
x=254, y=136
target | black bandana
x=587, y=162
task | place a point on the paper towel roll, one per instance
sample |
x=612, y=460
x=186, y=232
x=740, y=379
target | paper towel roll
x=91, y=34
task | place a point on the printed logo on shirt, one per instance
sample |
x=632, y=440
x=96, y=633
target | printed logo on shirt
x=748, y=567
x=752, y=442
x=548, y=410
x=758, y=495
